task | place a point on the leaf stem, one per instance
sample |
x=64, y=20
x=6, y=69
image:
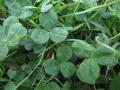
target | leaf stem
x=92, y=9
x=31, y=71
x=107, y=71
x=116, y=36
x=58, y=81
x=112, y=49
x=77, y=6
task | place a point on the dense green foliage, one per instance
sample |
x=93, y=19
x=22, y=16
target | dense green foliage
x=59, y=45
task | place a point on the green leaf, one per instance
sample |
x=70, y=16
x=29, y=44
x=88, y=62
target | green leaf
x=52, y=67
x=80, y=17
x=46, y=8
x=116, y=10
x=19, y=8
x=58, y=34
x=67, y=69
x=88, y=71
x=26, y=11
x=106, y=59
x=104, y=38
x=49, y=20
x=69, y=21
x=38, y=1
x=25, y=2
x=40, y=36
x=42, y=86
x=81, y=86
x=3, y=46
x=89, y=3
x=49, y=86
x=14, y=8
x=1, y=72
x=64, y=53
x=76, y=1
x=15, y=33
x=66, y=86
x=115, y=84
x=116, y=6
x=11, y=20
x=22, y=3
x=1, y=28
x=10, y=86
x=39, y=49
x=3, y=51
x=53, y=86
x=3, y=38
x=11, y=73
x=82, y=49
x=28, y=43
x=105, y=56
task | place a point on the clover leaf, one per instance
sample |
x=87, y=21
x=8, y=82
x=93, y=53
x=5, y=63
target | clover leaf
x=82, y=49
x=10, y=86
x=58, y=34
x=67, y=69
x=52, y=67
x=15, y=33
x=9, y=22
x=88, y=71
x=3, y=45
x=48, y=20
x=64, y=53
x=40, y=36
